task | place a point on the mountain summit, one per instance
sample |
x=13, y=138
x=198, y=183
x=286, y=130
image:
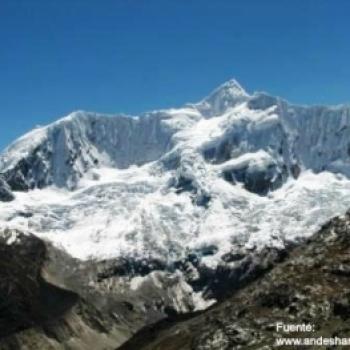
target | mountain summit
x=225, y=96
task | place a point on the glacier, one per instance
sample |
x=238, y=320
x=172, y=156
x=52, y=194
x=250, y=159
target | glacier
x=233, y=169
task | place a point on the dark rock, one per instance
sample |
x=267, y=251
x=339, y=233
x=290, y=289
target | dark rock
x=233, y=256
x=24, y=214
x=130, y=267
x=341, y=308
x=295, y=170
x=184, y=184
x=207, y=250
x=340, y=270
x=259, y=181
x=5, y=191
x=279, y=298
x=227, y=278
x=202, y=200
x=17, y=181
x=26, y=299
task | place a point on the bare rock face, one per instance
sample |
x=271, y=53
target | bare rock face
x=5, y=191
x=311, y=285
x=37, y=314
x=49, y=300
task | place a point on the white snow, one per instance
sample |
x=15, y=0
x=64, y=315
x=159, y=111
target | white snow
x=124, y=204
x=22, y=147
x=256, y=160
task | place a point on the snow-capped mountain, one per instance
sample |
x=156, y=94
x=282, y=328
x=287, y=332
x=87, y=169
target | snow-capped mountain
x=234, y=170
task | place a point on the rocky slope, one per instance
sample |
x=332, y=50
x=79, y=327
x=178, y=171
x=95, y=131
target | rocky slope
x=50, y=300
x=5, y=191
x=311, y=285
x=308, y=283
x=38, y=313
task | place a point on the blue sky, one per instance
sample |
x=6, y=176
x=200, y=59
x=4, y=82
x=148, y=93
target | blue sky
x=135, y=55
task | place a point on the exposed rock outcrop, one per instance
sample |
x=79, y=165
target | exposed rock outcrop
x=38, y=314
x=5, y=191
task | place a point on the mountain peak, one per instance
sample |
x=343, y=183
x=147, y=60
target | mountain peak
x=232, y=86
x=225, y=96
x=231, y=89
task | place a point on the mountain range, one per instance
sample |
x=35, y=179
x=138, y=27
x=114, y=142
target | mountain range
x=170, y=211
